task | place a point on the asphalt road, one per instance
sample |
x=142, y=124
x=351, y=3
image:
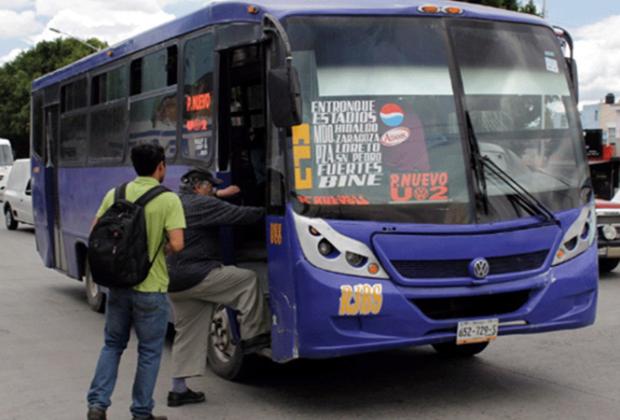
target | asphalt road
x=50, y=339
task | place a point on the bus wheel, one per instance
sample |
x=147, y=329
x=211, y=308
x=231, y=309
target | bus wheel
x=94, y=295
x=225, y=358
x=11, y=223
x=450, y=349
x=605, y=265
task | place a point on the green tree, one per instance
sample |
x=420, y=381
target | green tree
x=16, y=79
x=529, y=7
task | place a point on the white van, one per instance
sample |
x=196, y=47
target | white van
x=18, y=195
x=6, y=160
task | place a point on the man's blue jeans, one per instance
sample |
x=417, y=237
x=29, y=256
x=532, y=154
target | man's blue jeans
x=148, y=314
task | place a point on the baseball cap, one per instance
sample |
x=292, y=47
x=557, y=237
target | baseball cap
x=200, y=174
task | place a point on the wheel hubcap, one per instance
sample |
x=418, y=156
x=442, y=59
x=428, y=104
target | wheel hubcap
x=220, y=338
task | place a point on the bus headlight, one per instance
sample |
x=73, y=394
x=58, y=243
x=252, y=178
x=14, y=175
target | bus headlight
x=330, y=250
x=609, y=232
x=579, y=237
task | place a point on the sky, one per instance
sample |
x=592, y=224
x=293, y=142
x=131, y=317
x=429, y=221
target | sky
x=594, y=24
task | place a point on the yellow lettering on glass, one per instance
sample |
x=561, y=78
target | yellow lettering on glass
x=302, y=157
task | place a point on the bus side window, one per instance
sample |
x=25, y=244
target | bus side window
x=197, y=130
x=38, y=143
x=109, y=115
x=153, y=117
x=73, y=121
x=154, y=71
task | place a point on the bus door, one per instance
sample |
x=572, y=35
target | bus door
x=42, y=173
x=247, y=157
x=51, y=115
x=242, y=146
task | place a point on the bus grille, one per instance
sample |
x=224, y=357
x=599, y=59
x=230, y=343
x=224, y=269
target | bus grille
x=439, y=269
x=472, y=306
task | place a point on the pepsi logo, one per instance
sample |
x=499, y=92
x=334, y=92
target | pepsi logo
x=392, y=115
x=395, y=136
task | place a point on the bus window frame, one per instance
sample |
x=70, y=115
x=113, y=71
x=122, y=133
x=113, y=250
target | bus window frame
x=105, y=70
x=74, y=112
x=212, y=151
x=155, y=92
x=38, y=151
x=108, y=162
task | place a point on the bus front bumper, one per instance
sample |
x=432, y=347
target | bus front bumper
x=331, y=323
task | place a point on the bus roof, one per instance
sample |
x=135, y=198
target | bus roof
x=233, y=11
x=5, y=142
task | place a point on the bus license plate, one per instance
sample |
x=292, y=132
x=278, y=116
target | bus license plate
x=480, y=331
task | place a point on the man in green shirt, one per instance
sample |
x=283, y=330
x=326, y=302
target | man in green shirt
x=145, y=307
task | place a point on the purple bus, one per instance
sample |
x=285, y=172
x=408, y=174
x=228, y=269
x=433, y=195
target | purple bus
x=421, y=166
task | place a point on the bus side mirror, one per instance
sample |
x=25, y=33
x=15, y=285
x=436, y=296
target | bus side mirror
x=284, y=96
x=574, y=75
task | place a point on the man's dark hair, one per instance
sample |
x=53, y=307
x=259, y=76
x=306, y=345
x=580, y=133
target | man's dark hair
x=146, y=157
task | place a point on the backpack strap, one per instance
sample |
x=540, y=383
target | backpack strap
x=143, y=201
x=150, y=195
x=119, y=192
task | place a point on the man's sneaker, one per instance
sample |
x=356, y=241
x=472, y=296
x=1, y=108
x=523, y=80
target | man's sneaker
x=255, y=344
x=96, y=413
x=151, y=417
x=176, y=399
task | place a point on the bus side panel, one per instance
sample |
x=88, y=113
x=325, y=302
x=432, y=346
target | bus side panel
x=43, y=208
x=282, y=290
x=81, y=192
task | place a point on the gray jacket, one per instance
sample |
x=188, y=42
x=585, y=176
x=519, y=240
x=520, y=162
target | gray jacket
x=204, y=215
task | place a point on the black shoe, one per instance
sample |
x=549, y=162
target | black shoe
x=151, y=417
x=96, y=413
x=176, y=399
x=255, y=344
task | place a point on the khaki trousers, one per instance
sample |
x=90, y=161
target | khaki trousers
x=231, y=286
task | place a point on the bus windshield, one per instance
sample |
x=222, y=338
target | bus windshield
x=382, y=138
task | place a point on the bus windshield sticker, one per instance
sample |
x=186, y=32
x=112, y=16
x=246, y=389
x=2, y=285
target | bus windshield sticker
x=334, y=200
x=427, y=186
x=552, y=65
x=365, y=151
x=201, y=146
x=360, y=299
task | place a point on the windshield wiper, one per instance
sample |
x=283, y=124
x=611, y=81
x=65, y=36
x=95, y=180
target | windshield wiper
x=477, y=165
x=522, y=196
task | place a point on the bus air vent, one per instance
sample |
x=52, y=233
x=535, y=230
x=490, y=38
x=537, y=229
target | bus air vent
x=472, y=306
x=440, y=269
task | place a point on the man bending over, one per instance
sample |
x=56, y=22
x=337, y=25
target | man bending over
x=199, y=282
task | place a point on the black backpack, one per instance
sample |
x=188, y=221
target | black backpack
x=118, y=252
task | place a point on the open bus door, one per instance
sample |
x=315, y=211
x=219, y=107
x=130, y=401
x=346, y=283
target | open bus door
x=251, y=154
x=283, y=114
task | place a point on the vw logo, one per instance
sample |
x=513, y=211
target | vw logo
x=479, y=268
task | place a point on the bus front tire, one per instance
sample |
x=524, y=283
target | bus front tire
x=225, y=358
x=10, y=222
x=606, y=265
x=450, y=349
x=94, y=295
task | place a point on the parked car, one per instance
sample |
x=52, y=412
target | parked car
x=18, y=195
x=6, y=161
